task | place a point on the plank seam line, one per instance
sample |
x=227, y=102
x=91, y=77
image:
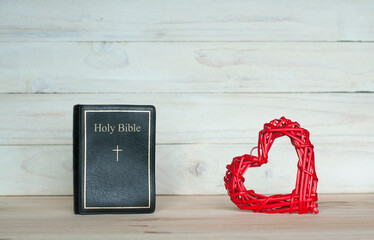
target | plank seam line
x=176, y=93
x=158, y=144
x=184, y=41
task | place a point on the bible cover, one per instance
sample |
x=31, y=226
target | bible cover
x=114, y=159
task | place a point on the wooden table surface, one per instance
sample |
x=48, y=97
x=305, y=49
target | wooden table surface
x=343, y=216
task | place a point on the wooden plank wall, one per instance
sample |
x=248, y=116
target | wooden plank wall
x=215, y=70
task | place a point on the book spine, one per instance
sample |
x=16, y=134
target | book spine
x=76, y=156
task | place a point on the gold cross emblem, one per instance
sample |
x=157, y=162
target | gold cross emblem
x=117, y=150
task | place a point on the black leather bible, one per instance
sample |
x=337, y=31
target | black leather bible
x=114, y=159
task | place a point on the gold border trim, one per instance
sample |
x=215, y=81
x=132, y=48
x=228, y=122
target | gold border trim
x=149, y=158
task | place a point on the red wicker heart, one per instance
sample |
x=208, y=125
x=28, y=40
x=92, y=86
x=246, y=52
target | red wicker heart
x=303, y=198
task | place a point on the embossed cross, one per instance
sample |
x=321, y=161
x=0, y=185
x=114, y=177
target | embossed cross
x=117, y=150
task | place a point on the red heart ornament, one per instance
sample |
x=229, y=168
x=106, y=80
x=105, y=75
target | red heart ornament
x=303, y=198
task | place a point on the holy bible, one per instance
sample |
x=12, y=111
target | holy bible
x=114, y=159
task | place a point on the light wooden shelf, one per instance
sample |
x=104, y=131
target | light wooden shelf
x=343, y=216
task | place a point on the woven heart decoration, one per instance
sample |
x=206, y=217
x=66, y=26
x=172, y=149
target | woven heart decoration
x=303, y=199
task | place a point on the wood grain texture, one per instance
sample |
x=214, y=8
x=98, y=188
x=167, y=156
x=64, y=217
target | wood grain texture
x=194, y=169
x=185, y=67
x=348, y=216
x=163, y=20
x=196, y=118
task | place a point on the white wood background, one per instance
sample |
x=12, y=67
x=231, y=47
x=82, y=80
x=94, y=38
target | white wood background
x=215, y=70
